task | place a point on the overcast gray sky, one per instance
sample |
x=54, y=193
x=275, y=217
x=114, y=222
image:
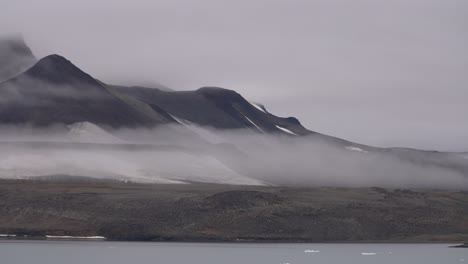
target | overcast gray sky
x=380, y=72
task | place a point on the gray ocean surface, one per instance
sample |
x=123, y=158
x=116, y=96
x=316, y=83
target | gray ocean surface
x=90, y=252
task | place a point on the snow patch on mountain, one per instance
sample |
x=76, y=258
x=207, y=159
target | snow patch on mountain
x=257, y=106
x=248, y=119
x=285, y=130
x=181, y=120
x=204, y=132
x=168, y=167
x=90, y=133
x=355, y=149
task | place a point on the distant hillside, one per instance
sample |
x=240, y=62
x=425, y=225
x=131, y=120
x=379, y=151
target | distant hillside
x=217, y=108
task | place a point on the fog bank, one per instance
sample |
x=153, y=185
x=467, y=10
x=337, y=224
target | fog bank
x=183, y=154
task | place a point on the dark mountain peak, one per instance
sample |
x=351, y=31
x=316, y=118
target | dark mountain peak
x=54, y=63
x=212, y=88
x=15, y=56
x=54, y=58
x=220, y=94
x=293, y=120
x=216, y=90
x=58, y=70
x=54, y=91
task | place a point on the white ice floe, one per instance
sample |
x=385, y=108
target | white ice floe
x=311, y=251
x=286, y=130
x=75, y=237
x=355, y=149
x=248, y=119
x=258, y=107
x=7, y=235
x=368, y=253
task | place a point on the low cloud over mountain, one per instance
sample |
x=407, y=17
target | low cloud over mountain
x=55, y=119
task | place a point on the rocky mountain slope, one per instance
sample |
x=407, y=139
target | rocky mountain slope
x=54, y=91
x=217, y=108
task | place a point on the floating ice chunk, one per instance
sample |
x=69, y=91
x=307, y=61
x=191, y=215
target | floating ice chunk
x=368, y=253
x=7, y=235
x=355, y=149
x=311, y=251
x=286, y=130
x=75, y=237
x=258, y=107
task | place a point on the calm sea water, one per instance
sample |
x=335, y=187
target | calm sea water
x=86, y=252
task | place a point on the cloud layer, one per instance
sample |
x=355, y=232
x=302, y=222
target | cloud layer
x=167, y=155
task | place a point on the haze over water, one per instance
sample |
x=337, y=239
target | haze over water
x=71, y=252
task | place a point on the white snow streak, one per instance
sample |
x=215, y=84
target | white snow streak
x=286, y=130
x=254, y=124
x=91, y=133
x=258, y=107
x=180, y=120
x=355, y=149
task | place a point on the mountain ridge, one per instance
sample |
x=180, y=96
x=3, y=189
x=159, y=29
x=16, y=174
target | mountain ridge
x=56, y=91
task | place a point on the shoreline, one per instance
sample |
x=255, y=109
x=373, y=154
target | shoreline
x=454, y=244
x=209, y=213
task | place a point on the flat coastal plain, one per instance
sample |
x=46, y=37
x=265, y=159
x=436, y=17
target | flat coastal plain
x=228, y=213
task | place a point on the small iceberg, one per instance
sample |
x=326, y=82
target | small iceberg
x=311, y=251
x=368, y=253
x=76, y=237
x=7, y=235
